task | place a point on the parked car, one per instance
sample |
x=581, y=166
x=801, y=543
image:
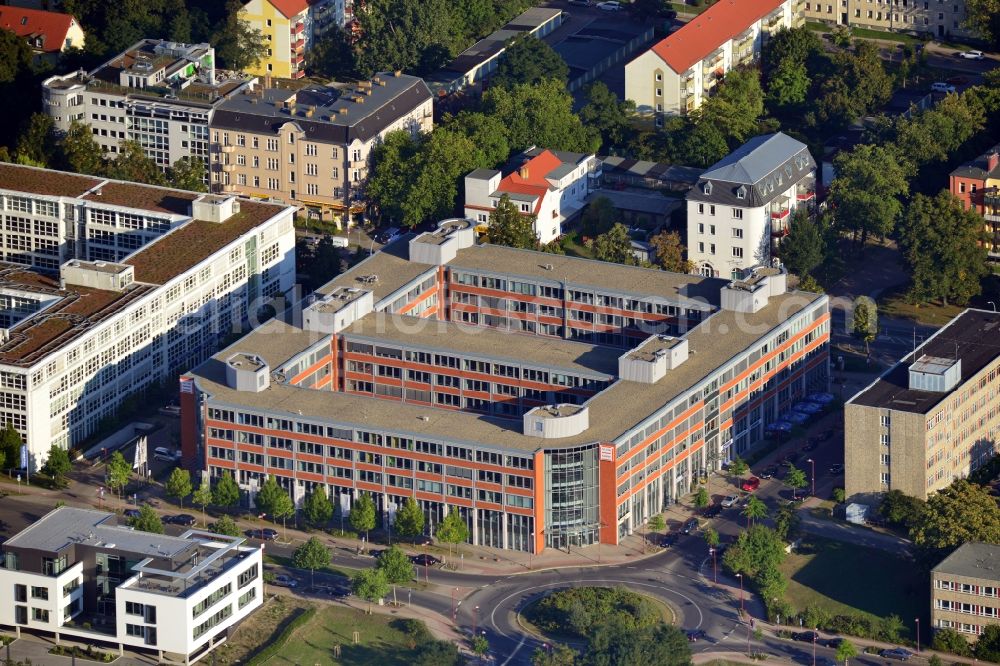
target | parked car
x=165, y=454
x=942, y=87
x=796, y=418
x=971, y=55
x=730, y=500
x=581, y=3
x=265, y=534
x=835, y=642
x=425, y=560
x=387, y=236
x=805, y=636
x=131, y=513
x=808, y=407
x=376, y=552
x=695, y=635
x=957, y=80
x=184, y=519
x=611, y=6
x=821, y=398
x=690, y=526
x=713, y=511
x=751, y=484
x=779, y=426
x=668, y=540
x=769, y=472
x=339, y=241
x=902, y=654
x=281, y=580
x=837, y=469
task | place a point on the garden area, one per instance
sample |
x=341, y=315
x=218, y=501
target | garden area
x=855, y=589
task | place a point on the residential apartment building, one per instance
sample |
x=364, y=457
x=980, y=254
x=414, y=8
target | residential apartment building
x=78, y=575
x=289, y=28
x=48, y=33
x=977, y=184
x=109, y=287
x=965, y=590
x=680, y=71
x=932, y=418
x=740, y=208
x=937, y=18
x=311, y=147
x=161, y=94
x=550, y=186
x=552, y=401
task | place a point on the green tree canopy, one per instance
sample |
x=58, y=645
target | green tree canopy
x=737, y=106
x=712, y=538
x=188, y=174
x=273, y=500
x=701, y=498
x=179, y=484
x=37, y=144
x=867, y=190
x=805, y=246
x=598, y=217
x=436, y=653
x=132, y=164
x=656, y=523
x=701, y=144
x=397, y=34
x=80, y=152
x=10, y=445
x=864, y=319
x=15, y=56
x=963, y=512
x=670, y=252
x=225, y=525
x=316, y=507
x=949, y=640
x=941, y=244
x=660, y=645
x=226, y=493
x=615, y=246
x=983, y=16
x=795, y=479
x=540, y=115
x=117, y=472
x=203, y=494
x=238, y=44
x=611, y=116
x=530, y=60
x=311, y=555
x=754, y=510
x=396, y=565
x=332, y=55
x=370, y=585
x=757, y=548
x=453, y=529
x=57, y=464
x=988, y=643
x=362, y=516
x=409, y=522
x=858, y=84
x=147, y=521
x=509, y=227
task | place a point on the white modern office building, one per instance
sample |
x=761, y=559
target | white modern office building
x=76, y=574
x=108, y=287
x=161, y=94
x=741, y=207
x=680, y=71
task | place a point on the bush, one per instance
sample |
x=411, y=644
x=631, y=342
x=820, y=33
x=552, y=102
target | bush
x=579, y=610
x=81, y=653
x=415, y=631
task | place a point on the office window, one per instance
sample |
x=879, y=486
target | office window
x=886, y=420
x=884, y=438
x=737, y=213
x=885, y=478
x=738, y=252
x=737, y=232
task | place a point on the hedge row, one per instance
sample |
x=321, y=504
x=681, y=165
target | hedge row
x=279, y=642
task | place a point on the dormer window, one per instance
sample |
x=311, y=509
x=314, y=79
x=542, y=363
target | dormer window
x=741, y=193
x=708, y=188
x=788, y=170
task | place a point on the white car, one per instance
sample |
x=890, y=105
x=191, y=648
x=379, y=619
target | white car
x=972, y=55
x=609, y=6
x=942, y=87
x=730, y=500
x=339, y=241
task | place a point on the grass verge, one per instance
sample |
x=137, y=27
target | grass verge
x=894, y=304
x=573, y=245
x=260, y=629
x=283, y=561
x=846, y=579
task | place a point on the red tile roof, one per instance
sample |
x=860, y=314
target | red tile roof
x=534, y=184
x=28, y=23
x=290, y=8
x=709, y=30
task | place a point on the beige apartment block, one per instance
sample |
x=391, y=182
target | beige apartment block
x=938, y=18
x=311, y=147
x=932, y=418
x=965, y=590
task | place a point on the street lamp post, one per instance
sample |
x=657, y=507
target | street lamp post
x=454, y=616
x=740, y=576
x=917, y=620
x=475, y=616
x=715, y=570
x=812, y=463
x=814, y=645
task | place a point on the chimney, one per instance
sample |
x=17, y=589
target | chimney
x=523, y=172
x=398, y=73
x=992, y=160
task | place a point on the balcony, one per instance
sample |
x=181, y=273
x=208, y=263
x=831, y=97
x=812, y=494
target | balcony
x=297, y=58
x=774, y=18
x=299, y=74
x=780, y=214
x=229, y=149
x=229, y=168
x=713, y=61
x=746, y=37
x=298, y=44
x=805, y=195
x=299, y=28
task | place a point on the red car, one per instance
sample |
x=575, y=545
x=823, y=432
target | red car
x=751, y=484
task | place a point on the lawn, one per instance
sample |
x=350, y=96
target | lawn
x=380, y=641
x=684, y=8
x=848, y=579
x=260, y=629
x=894, y=304
x=283, y=561
x=574, y=247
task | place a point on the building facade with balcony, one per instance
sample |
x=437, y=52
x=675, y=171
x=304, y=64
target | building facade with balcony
x=158, y=93
x=552, y=401
x=741, y=207
x=936, y=18
x=311, y=147
x=679, y=72
x=932, y=418
x=111, y=287
x=977, y=185
x=76, y=574
x=965, y=590
x=549, y=185
x=289, y=28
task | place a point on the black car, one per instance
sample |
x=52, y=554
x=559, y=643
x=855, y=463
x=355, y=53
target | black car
x=267, y=534
x=713, y=511
x=768, y=472
x=183, y=519
x=837, y=469
x=695, y=635
x=668, y=540
x=691, y=526
x=131, y=513
x=376, y=552
x=835, y=642
x=806, y=636
x=425, y=560
x=901, y=654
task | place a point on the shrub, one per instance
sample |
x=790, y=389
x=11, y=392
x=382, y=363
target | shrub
x=579, y=610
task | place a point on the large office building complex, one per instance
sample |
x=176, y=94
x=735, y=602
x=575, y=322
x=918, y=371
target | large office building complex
x=965, y=590
x=680, y=71
x=930, y=419
x=109, y=287
x=550, y=400
x=742, y=206
x=312, y=146
x=161, y=94
x=76, y=574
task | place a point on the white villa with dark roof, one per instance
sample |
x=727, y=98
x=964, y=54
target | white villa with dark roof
x=742, y=205
x=109, y=287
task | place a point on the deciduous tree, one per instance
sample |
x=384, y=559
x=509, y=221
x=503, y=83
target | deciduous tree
x=795, y=479
x=362, y=516
x=203, y=495
x=311, y=555
x=453, y=529
x=225, y=525
x=701, y=498
x=983, y=16
x=370, y=585
x=754, y=510
x=10, y=445
x=179, y=484
x=37, y=144
x=757, y=548
x=396, y=565
x=540, y=115
x=598, y=217
x=864, y=320
x=670, y=252
x=509, y=227
x=15, y=56
x=117, y=471
x=80, y=153
x=57, y=465
x=132, y=164
x=147, y=521
x=611, y=116
x=805, y=246
x=188, y=174
x=238, y=44
x=949, y=640
x=226, y=494
x=867, y=190
x=737, y=106
x=962, y=512
x=530, y=60
x=615, y=246
x=409, y=522
x=316, y=507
